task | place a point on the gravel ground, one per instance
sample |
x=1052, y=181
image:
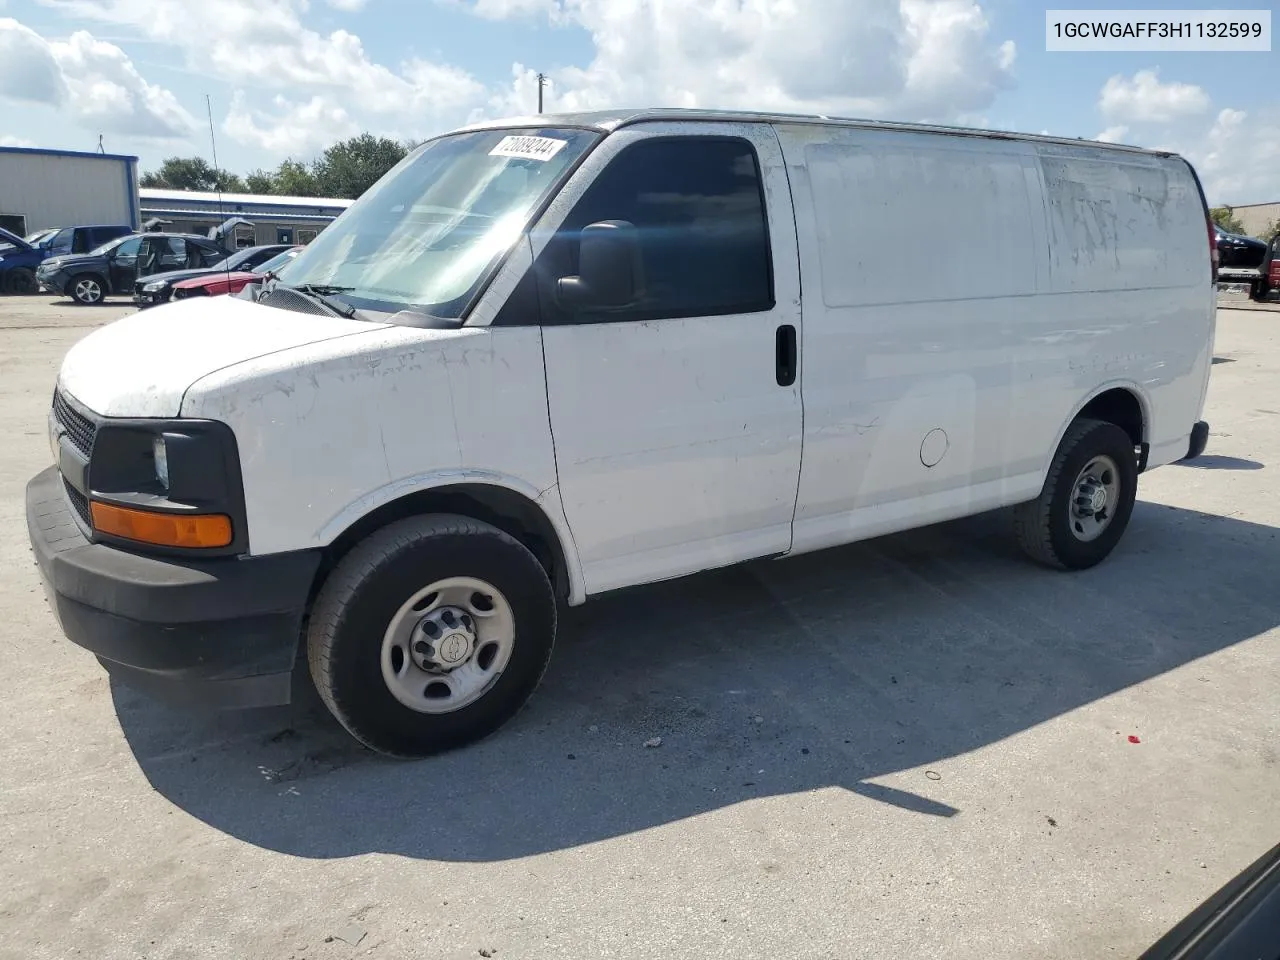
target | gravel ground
x=919, y=746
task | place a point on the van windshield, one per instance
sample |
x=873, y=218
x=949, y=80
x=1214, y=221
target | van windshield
x=425, y=235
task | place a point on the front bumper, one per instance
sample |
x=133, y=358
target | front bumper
x=52, y=282
x=142, y=299
x=220, y=632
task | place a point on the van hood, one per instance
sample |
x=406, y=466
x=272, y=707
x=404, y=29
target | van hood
x=142, y=365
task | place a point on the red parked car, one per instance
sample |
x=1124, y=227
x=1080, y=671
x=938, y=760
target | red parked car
x=217, y=284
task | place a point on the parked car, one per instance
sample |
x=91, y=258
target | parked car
x=1240, y=259
x=18, y=262
x=158, y=288
x=536, y=363
x=20, y=257
x=114, y=267
x=217, y=284
x=1270, y=282
x=60, y=241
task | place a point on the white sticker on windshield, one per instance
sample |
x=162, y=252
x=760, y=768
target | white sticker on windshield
x=528, y=148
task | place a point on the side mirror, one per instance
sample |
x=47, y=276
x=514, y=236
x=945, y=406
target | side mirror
x=610, y=270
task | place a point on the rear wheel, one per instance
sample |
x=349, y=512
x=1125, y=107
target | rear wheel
x=20, y=280
x=431, y=634
x=1087, y=498
x=87, y=290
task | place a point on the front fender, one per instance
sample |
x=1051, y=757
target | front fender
x=548, y=501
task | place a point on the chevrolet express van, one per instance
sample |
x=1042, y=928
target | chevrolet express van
x=546, y=358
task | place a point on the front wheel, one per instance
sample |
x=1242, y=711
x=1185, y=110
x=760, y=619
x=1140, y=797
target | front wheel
x=431, y=634
x=87, y=290
x=1087, y=498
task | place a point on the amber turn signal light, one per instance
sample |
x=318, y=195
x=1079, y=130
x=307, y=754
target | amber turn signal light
x=162, y=529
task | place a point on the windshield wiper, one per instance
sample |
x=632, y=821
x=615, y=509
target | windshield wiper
x=323, y=292
x=322, y=289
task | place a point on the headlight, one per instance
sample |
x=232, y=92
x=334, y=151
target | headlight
x=153, y=287
x=160, y=454
x=172, y=484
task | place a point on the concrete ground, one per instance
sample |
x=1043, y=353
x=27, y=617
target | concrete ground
x=921, y=746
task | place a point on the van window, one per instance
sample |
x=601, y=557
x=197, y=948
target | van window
x=698, y=208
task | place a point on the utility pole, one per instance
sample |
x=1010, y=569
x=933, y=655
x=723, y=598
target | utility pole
x=542, y=82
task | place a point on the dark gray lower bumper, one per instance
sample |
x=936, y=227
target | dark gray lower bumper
x=219, y=632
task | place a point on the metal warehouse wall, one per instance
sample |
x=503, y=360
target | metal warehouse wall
x=1257, y=217
x=58, y=190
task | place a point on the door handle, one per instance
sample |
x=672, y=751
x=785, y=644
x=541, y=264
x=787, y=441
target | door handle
x=785, y=355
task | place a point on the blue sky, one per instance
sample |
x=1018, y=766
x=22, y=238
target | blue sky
x=286, y=77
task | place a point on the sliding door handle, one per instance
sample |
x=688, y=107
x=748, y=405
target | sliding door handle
x=786, y=357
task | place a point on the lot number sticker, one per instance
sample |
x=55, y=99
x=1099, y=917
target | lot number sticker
x=528, y=148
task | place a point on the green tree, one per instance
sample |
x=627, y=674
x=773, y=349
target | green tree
x=350, y=167
x=293, y=178
x=261, y=181
x=191, y=173
x=1225, y=218
x=1271, y=232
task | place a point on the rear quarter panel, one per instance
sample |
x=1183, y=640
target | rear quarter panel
x=1129, y=278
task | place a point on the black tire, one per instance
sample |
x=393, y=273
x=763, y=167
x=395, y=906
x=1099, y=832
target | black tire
x=79, y=286
x=1257, y=291
x=20, y=281
x=1044, y=526
x=363, y=593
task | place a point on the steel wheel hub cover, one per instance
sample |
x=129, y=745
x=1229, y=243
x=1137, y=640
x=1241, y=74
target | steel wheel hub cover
x=444, y=639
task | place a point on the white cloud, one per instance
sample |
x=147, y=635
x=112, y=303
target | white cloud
x=266, y=47
x=1144, y=99
x=1239, y=158
x=106, y=90
x=28, y=70
x=94, y=81
x=502, y=9
x=918, y=59
x=348, y=5
x=1113, y=134
x=6, y=140
x=291, y=127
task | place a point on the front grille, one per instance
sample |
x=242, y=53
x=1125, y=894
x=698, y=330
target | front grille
x=80, y=429
x=79, y=503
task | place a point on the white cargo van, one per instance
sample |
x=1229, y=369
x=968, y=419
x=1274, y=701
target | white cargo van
x=546, y=358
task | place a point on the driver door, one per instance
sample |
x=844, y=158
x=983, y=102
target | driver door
x=676, y=420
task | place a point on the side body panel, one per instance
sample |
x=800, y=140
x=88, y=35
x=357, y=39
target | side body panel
x=964, y=298
x=918, y=253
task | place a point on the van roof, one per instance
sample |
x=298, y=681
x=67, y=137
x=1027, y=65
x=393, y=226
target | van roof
x=607, y=121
